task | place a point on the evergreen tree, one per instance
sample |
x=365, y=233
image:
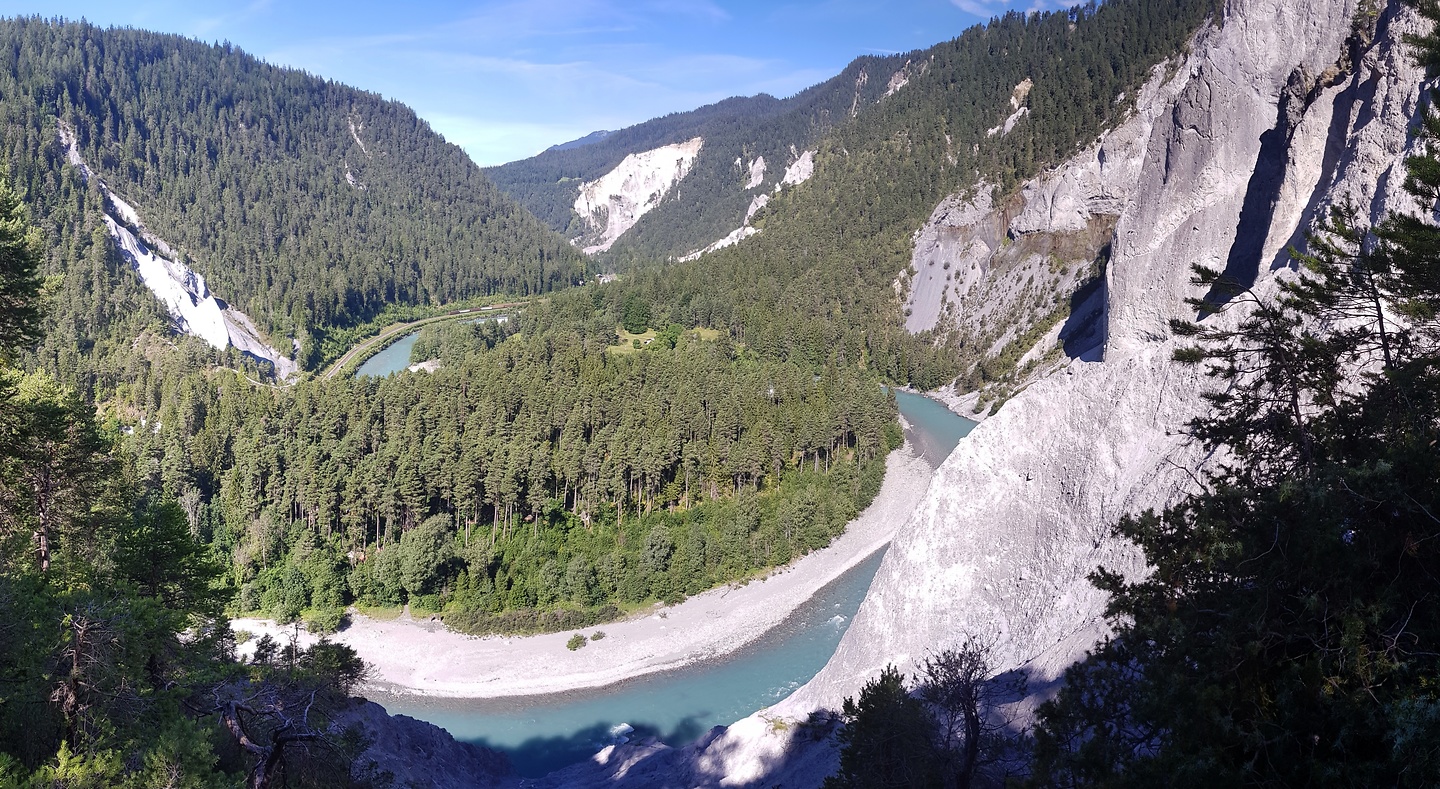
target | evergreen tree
x=886, y=741
x=1287, y=633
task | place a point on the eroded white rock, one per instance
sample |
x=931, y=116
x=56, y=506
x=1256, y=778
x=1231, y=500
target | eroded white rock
x=800, y=171
x=614, y=202
x=195, y=310
x=1020, y=513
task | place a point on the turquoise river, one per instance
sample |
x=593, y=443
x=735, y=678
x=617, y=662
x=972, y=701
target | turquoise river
x=545, y=733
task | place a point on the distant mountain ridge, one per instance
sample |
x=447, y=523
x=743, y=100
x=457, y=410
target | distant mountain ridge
x=305, y=203
x=714, y=197
x=589, y=139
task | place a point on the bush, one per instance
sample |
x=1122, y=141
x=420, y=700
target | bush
x=324, y=621
x=597, y=635
x=528, y=621
x=576, y=641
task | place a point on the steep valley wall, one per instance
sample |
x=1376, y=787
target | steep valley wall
x=1234, y=148
x=1219, y=166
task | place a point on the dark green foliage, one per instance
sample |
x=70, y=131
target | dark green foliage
x=951, y=731
x=636, y=315
x=535, y=471
x=19, y=273
x=816, y=286
x=1287, y=634
x=886, y=740
x=243, y=168
x=111, y=636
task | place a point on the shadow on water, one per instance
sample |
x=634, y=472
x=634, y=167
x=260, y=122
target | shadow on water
x=539, y=756
x=546, y=733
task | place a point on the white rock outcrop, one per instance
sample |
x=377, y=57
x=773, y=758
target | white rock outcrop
x=614, y=202
x=1018, y=107
x=799, y=171
x=1020, y=513
x=967, y=276
x=1228, y=159
x=735, y=236
x=186, y=297
x=757, y=173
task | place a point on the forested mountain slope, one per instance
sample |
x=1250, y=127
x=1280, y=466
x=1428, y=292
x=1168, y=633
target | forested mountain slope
x=1277, y=113
x=748, y=144
x=549, y=474
x=1002, y=101
x=306, y=203
x=1248, y=133
x=821, y=279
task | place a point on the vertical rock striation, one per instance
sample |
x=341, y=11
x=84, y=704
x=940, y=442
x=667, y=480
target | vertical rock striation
x=189, y=301
x=613, y=203
x=1270, y=117
x=1229, y=159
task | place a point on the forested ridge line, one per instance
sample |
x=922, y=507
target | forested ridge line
x=261, y=472
x=822, y=278
x=711, y=200
x=536, y=470
x=308, y=204
x=607, y=478
x=886, y=158
x=118, y=668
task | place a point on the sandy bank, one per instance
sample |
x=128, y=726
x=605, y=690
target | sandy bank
x=423, y=657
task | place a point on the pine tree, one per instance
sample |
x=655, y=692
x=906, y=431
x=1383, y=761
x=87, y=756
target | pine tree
x=1287, y=632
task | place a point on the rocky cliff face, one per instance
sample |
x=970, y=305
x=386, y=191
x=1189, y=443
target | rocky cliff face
x=420, y=755
x=1272, y=116
x=195, y=310
x=613, y=203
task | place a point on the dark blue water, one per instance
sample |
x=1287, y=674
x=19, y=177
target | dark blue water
x=542, y=734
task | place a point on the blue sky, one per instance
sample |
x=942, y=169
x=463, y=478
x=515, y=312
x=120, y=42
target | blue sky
x=507, y=78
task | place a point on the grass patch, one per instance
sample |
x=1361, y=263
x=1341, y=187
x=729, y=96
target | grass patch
x=381, y=612
x=626, y=343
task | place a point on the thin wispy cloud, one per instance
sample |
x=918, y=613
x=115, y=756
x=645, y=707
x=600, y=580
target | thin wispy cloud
x=506, y=78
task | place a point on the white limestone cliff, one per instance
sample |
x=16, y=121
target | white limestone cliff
x=614, y=202
x=799, y=170
x=188, y=300
x=1020, y=513
x=756, y=173
x=1231, y=154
